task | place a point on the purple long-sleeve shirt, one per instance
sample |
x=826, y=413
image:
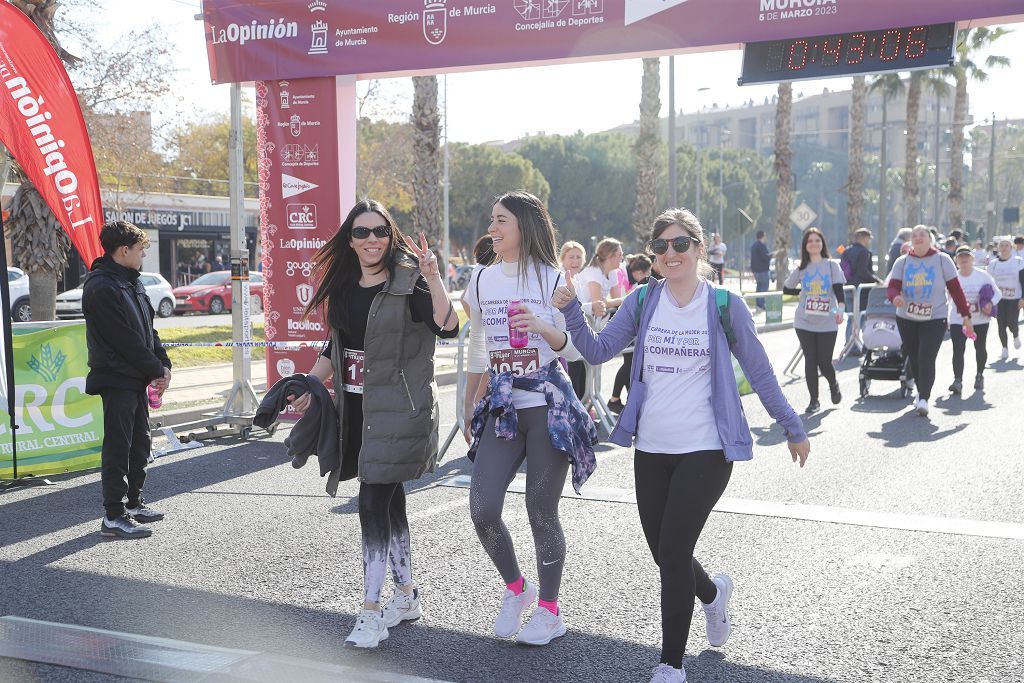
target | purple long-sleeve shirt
x=725, y=398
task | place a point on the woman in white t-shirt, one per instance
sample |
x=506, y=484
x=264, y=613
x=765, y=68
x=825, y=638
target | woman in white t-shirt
x=572, y=256
x=1008, y=271
x=598, y=284
x=529, y=411
x=982, y=297
x=716, y=256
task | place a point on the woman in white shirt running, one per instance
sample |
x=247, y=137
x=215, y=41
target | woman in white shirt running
x=983, y=296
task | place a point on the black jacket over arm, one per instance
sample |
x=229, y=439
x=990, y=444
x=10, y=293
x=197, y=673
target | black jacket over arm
x=124, y=349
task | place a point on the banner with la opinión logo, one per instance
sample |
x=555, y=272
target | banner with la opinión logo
x=60, y=427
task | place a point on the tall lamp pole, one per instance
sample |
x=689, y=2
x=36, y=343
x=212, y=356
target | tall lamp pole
x=723, y=135
x=673, y=178
x=696, y=203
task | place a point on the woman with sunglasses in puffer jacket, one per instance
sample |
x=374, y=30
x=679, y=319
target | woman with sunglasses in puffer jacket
x=682, y=466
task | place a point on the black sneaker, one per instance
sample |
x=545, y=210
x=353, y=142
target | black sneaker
x=813, y=407
x=123, y=527
x=615, y=405
x=979, y=382
x=956, y=387
x=837, y=395
x=143, y=513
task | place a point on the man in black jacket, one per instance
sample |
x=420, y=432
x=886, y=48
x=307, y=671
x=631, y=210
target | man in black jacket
x=858, y=267
x=125, y=356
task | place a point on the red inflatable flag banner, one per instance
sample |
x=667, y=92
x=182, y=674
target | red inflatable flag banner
x=41, y=124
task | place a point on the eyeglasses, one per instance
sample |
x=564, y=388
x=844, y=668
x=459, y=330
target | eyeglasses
x=679, y=244
x=380, y=231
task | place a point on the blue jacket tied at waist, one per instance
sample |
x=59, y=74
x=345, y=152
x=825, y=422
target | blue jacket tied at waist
x=570, y=427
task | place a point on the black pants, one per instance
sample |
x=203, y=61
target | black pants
x=674, y=496
x=956, y=333
x=1006, y=317
x=578, y=377
x=817, y=348
x=921, y=342
x=622, y=376
x=719, y=271
x=126, y=446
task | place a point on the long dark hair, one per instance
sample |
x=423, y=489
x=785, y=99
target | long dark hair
x=537, y=238
x=805, y=257
x=336, y=266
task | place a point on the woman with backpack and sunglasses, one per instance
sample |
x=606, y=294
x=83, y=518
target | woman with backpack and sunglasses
x=686, y=336
x=376, y=284
x=819, y=282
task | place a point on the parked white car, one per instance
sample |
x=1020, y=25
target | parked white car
x=18, y=283
x=69, y=303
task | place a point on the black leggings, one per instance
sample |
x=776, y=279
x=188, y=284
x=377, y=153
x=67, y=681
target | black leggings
x=674, y=496
x=1006, y=316
x=622, y=376
x=578, y=377
x=921, y=342
x=719, y=271
x=817, y=348
x=385, y=530
x=956, y=333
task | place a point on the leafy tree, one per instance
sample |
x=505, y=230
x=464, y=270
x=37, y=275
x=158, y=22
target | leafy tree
x=855, y=181
x=784, y=180
x=385, y=164
x=200, y=161
x=478, y=173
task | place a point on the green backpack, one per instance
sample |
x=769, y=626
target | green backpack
x=724, y=317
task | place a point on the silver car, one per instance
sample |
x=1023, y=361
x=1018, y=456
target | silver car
x=159, y=291
x=18, y=283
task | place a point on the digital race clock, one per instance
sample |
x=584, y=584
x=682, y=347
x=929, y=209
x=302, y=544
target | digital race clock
x=843, y=54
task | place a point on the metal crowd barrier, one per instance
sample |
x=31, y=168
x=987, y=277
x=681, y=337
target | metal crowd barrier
x=460, y=391
x=856, y=338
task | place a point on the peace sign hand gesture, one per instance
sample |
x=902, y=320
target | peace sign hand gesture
x=428, y=262
x=564, y=294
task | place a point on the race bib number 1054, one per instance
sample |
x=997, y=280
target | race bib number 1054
x=517, y=361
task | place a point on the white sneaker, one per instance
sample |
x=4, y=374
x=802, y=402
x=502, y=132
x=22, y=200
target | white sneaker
x=1016, y=342
x=664, y=673
x=402, y=607
x=369, y=630
x=717, y=613
x=510, y=618
x=921, y=406
x=1004, y=354
x=542, y=628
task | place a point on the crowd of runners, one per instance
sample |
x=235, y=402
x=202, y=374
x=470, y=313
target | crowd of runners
x=539, y=314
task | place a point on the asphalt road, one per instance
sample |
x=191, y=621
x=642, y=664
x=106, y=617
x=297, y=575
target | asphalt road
x=835, y=578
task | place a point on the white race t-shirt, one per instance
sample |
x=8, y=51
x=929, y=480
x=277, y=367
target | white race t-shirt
x=498, y=284
x=677, y=416
x=972, y=285
x=1007, y=275
x=716, y=253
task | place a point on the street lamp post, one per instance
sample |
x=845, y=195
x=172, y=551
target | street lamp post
x=696, y=203
x=673, y=180
x=723, y=135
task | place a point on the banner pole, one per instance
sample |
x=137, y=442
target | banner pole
x=5, y=293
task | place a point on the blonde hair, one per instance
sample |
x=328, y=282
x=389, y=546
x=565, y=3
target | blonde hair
x=689, y=223
x=567, y=247
x=605, y=248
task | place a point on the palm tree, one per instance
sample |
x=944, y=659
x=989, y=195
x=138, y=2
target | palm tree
x=37, y=236
x=969, y=44
x=784, y=181
x=426, y=146
x=646, y=151
x=855, y=184
x=891, y=86
x=933, y=80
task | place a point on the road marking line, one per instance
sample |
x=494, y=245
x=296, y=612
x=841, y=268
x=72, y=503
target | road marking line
x=798, y=511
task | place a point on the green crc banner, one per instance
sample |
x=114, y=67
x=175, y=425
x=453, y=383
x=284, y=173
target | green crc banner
x=60, y=428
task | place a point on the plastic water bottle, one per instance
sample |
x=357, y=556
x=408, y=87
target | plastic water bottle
x=155, y=399
x=517, y=339
x=970, y=335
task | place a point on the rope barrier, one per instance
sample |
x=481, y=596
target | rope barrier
x=272, y=344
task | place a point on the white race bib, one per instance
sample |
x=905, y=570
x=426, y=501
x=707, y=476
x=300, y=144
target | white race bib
x=353, y=364
x=517, y=361
x=919, y=311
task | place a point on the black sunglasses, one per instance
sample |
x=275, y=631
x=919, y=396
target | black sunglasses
x=380, y=231
x=679, y=244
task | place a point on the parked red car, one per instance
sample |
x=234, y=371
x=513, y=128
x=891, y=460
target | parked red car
x=211, y=293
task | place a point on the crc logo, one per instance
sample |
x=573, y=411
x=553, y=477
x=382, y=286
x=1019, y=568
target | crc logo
x=304, y=293
x=301, y=216
x=304, y=267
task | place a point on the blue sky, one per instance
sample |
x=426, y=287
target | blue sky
x=589, y=97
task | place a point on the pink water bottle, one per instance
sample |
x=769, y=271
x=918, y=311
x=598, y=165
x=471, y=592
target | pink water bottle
x=155, y=399
x=517, y=339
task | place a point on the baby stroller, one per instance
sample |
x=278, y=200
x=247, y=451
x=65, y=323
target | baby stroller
x=883, y=356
